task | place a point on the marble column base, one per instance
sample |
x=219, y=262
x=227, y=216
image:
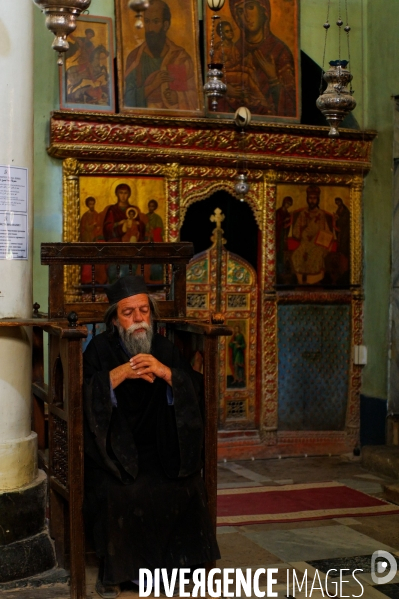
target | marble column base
x=25, y=545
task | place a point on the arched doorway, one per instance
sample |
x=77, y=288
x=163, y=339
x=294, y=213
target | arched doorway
x=240, y=228
x=220, y=280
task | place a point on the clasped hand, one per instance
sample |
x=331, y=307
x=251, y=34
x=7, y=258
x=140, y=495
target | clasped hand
x=147, y=367
x=142, y=366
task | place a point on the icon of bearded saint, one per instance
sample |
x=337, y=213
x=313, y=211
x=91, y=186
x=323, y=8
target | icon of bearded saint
x=159, y=73
x=265, y=73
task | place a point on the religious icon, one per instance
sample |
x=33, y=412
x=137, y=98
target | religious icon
x=112, y=209
x=258, y=43
x=86, y=78
x=90, y=229
x=237, y=346
x=312, y=235
x=158, y=65
x=154, y=230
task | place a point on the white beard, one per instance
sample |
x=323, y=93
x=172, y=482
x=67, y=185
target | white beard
x=136, y=343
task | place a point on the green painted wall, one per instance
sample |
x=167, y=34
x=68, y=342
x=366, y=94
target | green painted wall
x=374, y=60
x=382, y=81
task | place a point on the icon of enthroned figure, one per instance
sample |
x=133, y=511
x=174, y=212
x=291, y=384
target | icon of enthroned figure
x=313, y=243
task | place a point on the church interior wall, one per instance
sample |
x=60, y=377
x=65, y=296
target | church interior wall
x=382, y=83
x=374, y=64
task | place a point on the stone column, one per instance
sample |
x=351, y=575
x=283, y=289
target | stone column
x=22, y=486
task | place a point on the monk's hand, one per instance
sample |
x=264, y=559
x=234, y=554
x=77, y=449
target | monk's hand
x=146, y=365
x=125, y=371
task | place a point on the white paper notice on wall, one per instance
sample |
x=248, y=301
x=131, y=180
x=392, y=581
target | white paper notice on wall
x=14, y=226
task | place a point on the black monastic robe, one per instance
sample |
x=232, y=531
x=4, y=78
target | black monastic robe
x=145, y=500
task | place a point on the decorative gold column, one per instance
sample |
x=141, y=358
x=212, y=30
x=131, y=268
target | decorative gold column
x=356, y=190
x=269, y=362
x=173, y=194
x=353, y=413
x=71, y=219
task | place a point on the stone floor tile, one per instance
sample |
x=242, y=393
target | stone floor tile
x=371, y=477
x=309, y=544
x=239, y=485
x=245, y=472
x=287, y=525
x=223, y=530
x=56, y=591
x=390, y=590
x=240, y=552
x=373, y=593
x=361, y=562
x=346, y=521
x=384, y=529
x=365, y=486
x=227, y=476
x=307, y=470
x=284, y=481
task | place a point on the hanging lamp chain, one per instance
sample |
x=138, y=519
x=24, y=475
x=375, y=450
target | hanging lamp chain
x=347, y=30
x=223, y=54
x=339, y=23
x=326, y=27
x=212, y=49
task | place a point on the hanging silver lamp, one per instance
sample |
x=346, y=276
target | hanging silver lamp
x=214, y=87
x=61, y=18
x=336, y=102
x=241, y=187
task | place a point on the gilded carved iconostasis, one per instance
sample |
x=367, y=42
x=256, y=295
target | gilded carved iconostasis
x=286, y=271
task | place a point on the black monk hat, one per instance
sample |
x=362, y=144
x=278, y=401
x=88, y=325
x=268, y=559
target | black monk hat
x=126, y=287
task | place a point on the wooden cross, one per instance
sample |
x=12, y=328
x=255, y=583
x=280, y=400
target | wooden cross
x=218, y=217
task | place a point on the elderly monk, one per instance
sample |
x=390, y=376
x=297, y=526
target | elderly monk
x=267, y=66
x=145, y=500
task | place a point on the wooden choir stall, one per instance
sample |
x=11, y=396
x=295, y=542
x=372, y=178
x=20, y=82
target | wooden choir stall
x=57, y=407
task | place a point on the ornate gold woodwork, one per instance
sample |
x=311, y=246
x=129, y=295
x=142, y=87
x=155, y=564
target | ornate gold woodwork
x=173, y=194
x=198, y=157
x=71, y=216
x=206, y=141
x=356, y=189
x=219, y=281
x=353, y=412
x=269, y=366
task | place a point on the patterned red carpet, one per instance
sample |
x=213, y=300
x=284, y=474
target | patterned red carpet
x=290, y=503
